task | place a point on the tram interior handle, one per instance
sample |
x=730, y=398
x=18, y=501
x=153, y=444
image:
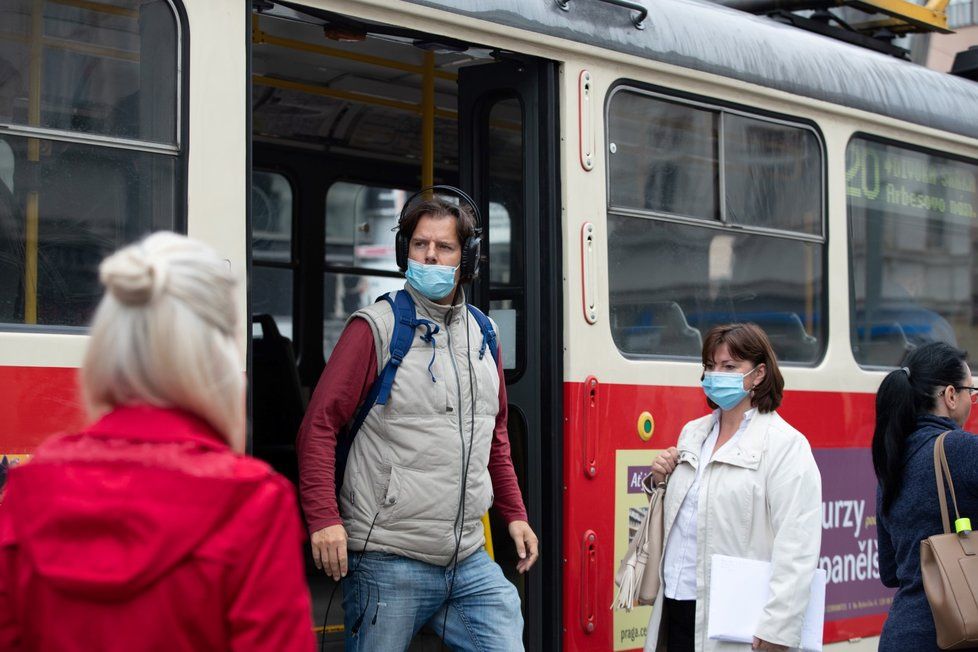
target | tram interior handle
x=638, y=21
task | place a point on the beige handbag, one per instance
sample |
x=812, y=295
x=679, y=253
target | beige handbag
x=638, y=574
x=949, y=568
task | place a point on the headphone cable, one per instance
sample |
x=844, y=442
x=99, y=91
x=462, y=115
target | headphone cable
x=460, y=516
x=329, y=604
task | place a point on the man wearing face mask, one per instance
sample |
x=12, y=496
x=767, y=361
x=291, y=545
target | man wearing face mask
x=425, y=465
x=742, y=483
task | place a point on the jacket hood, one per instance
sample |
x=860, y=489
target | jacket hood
x=106, y=513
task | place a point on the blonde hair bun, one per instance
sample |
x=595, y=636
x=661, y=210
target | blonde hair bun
x=166, y=334
x=133, y=275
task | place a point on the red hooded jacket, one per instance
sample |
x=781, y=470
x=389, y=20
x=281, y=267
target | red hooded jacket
x=146, y=532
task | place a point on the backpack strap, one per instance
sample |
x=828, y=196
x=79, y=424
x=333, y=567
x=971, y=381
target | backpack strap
x=488, y=334
x=405, y=323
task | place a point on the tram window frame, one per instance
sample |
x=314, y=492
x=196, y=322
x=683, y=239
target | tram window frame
x=293, y=263
x=719, y=223
x=177, y=151
x=850, y=227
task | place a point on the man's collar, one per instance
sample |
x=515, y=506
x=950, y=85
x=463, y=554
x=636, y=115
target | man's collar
x=432, y=310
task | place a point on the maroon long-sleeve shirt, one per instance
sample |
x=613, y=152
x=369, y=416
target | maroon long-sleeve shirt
x=346, y=380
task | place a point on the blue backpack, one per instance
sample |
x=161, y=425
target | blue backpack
x=406, y=322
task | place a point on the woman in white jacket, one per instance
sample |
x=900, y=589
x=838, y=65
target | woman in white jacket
x=742, y=483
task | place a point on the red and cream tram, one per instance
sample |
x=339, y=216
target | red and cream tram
x=646, y=173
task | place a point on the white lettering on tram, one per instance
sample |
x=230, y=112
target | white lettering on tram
x=843, y=514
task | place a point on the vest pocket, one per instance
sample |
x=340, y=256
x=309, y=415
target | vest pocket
x=414, y=494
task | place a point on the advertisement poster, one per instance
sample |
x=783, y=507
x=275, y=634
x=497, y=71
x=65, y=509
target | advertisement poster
x=630, y=506
x=849, y=548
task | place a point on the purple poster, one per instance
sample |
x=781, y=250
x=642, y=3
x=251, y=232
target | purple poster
x=849, y=548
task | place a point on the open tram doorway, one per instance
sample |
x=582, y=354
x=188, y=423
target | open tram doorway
x=348, y=119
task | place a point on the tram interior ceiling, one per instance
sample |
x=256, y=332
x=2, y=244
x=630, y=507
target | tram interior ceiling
x=348, y=118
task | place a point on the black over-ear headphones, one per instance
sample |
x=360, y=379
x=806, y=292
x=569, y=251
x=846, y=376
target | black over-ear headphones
x=469, y=268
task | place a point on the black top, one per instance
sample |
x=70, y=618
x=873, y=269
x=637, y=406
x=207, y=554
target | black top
x=916, y=515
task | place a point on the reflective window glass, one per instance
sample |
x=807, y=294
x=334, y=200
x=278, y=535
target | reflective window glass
x=107, y=68
x=704, y=277
x=662, y=156
x=672, y=278
x=772, y=175
x=913, y=239
x=506, y=316
x=86, y=202
x=344, y=294
x=360, y=223
x=504, y=160
x=271, y=217
x=507, y=278
x=271, y=294
x=103, y=71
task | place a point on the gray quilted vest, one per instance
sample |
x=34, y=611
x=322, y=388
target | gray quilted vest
x=406, y=464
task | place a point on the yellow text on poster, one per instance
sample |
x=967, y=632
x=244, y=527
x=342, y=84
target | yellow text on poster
x=631, y=466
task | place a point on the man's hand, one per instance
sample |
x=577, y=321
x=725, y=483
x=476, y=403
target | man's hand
x=526, y=544
x=329, y=550
x=760, y=644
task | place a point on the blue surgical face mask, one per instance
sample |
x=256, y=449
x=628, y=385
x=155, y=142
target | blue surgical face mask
x=725, y=389
x=433, y=281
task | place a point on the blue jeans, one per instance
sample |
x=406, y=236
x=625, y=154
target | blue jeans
x=389, y=598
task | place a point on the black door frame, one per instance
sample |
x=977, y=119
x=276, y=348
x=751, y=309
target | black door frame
x=536, y=390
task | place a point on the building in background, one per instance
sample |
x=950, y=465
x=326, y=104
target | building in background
x=937, y=51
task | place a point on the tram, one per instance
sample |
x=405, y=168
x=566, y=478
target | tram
x=647, y=170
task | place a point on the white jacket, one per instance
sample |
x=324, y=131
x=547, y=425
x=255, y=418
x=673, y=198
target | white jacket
x=760, y=498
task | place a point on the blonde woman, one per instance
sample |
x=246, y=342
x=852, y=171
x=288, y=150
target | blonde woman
x=150, y=529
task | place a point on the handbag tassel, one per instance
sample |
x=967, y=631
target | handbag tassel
x=625, y=598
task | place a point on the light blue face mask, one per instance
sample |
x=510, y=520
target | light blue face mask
x=725, y=389
x=433, y=281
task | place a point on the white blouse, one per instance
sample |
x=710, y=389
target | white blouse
x=679, y=563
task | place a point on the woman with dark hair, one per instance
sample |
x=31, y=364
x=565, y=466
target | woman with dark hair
x=915, y=404
x=742, y=483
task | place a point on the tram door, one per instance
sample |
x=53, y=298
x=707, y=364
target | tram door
x=507, y=159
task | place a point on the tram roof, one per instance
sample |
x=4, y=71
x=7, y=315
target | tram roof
x=715, y=39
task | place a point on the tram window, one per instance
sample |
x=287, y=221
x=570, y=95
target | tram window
x=73, y=82
x=771, y=175
x=913, y=244
x=663, y=156
x=505, y=316
x=359, y=223
x=507, y=279
x=94, y=77
x=345, y=293
x=359, y=242
x=672, y=282
x=505, y=167
x=682, y=258
x=271, y=217
x=273, y=264
x=670, y=158
x=91, y=200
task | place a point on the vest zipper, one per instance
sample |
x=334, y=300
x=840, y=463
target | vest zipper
x=459, y=516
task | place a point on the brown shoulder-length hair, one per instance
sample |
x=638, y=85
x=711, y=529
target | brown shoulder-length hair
x=749, y=342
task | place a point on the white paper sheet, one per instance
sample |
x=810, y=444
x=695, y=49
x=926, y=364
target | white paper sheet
x=739, y=589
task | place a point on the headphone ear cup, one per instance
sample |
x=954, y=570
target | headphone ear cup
x=401, y=250
x=470, y=258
